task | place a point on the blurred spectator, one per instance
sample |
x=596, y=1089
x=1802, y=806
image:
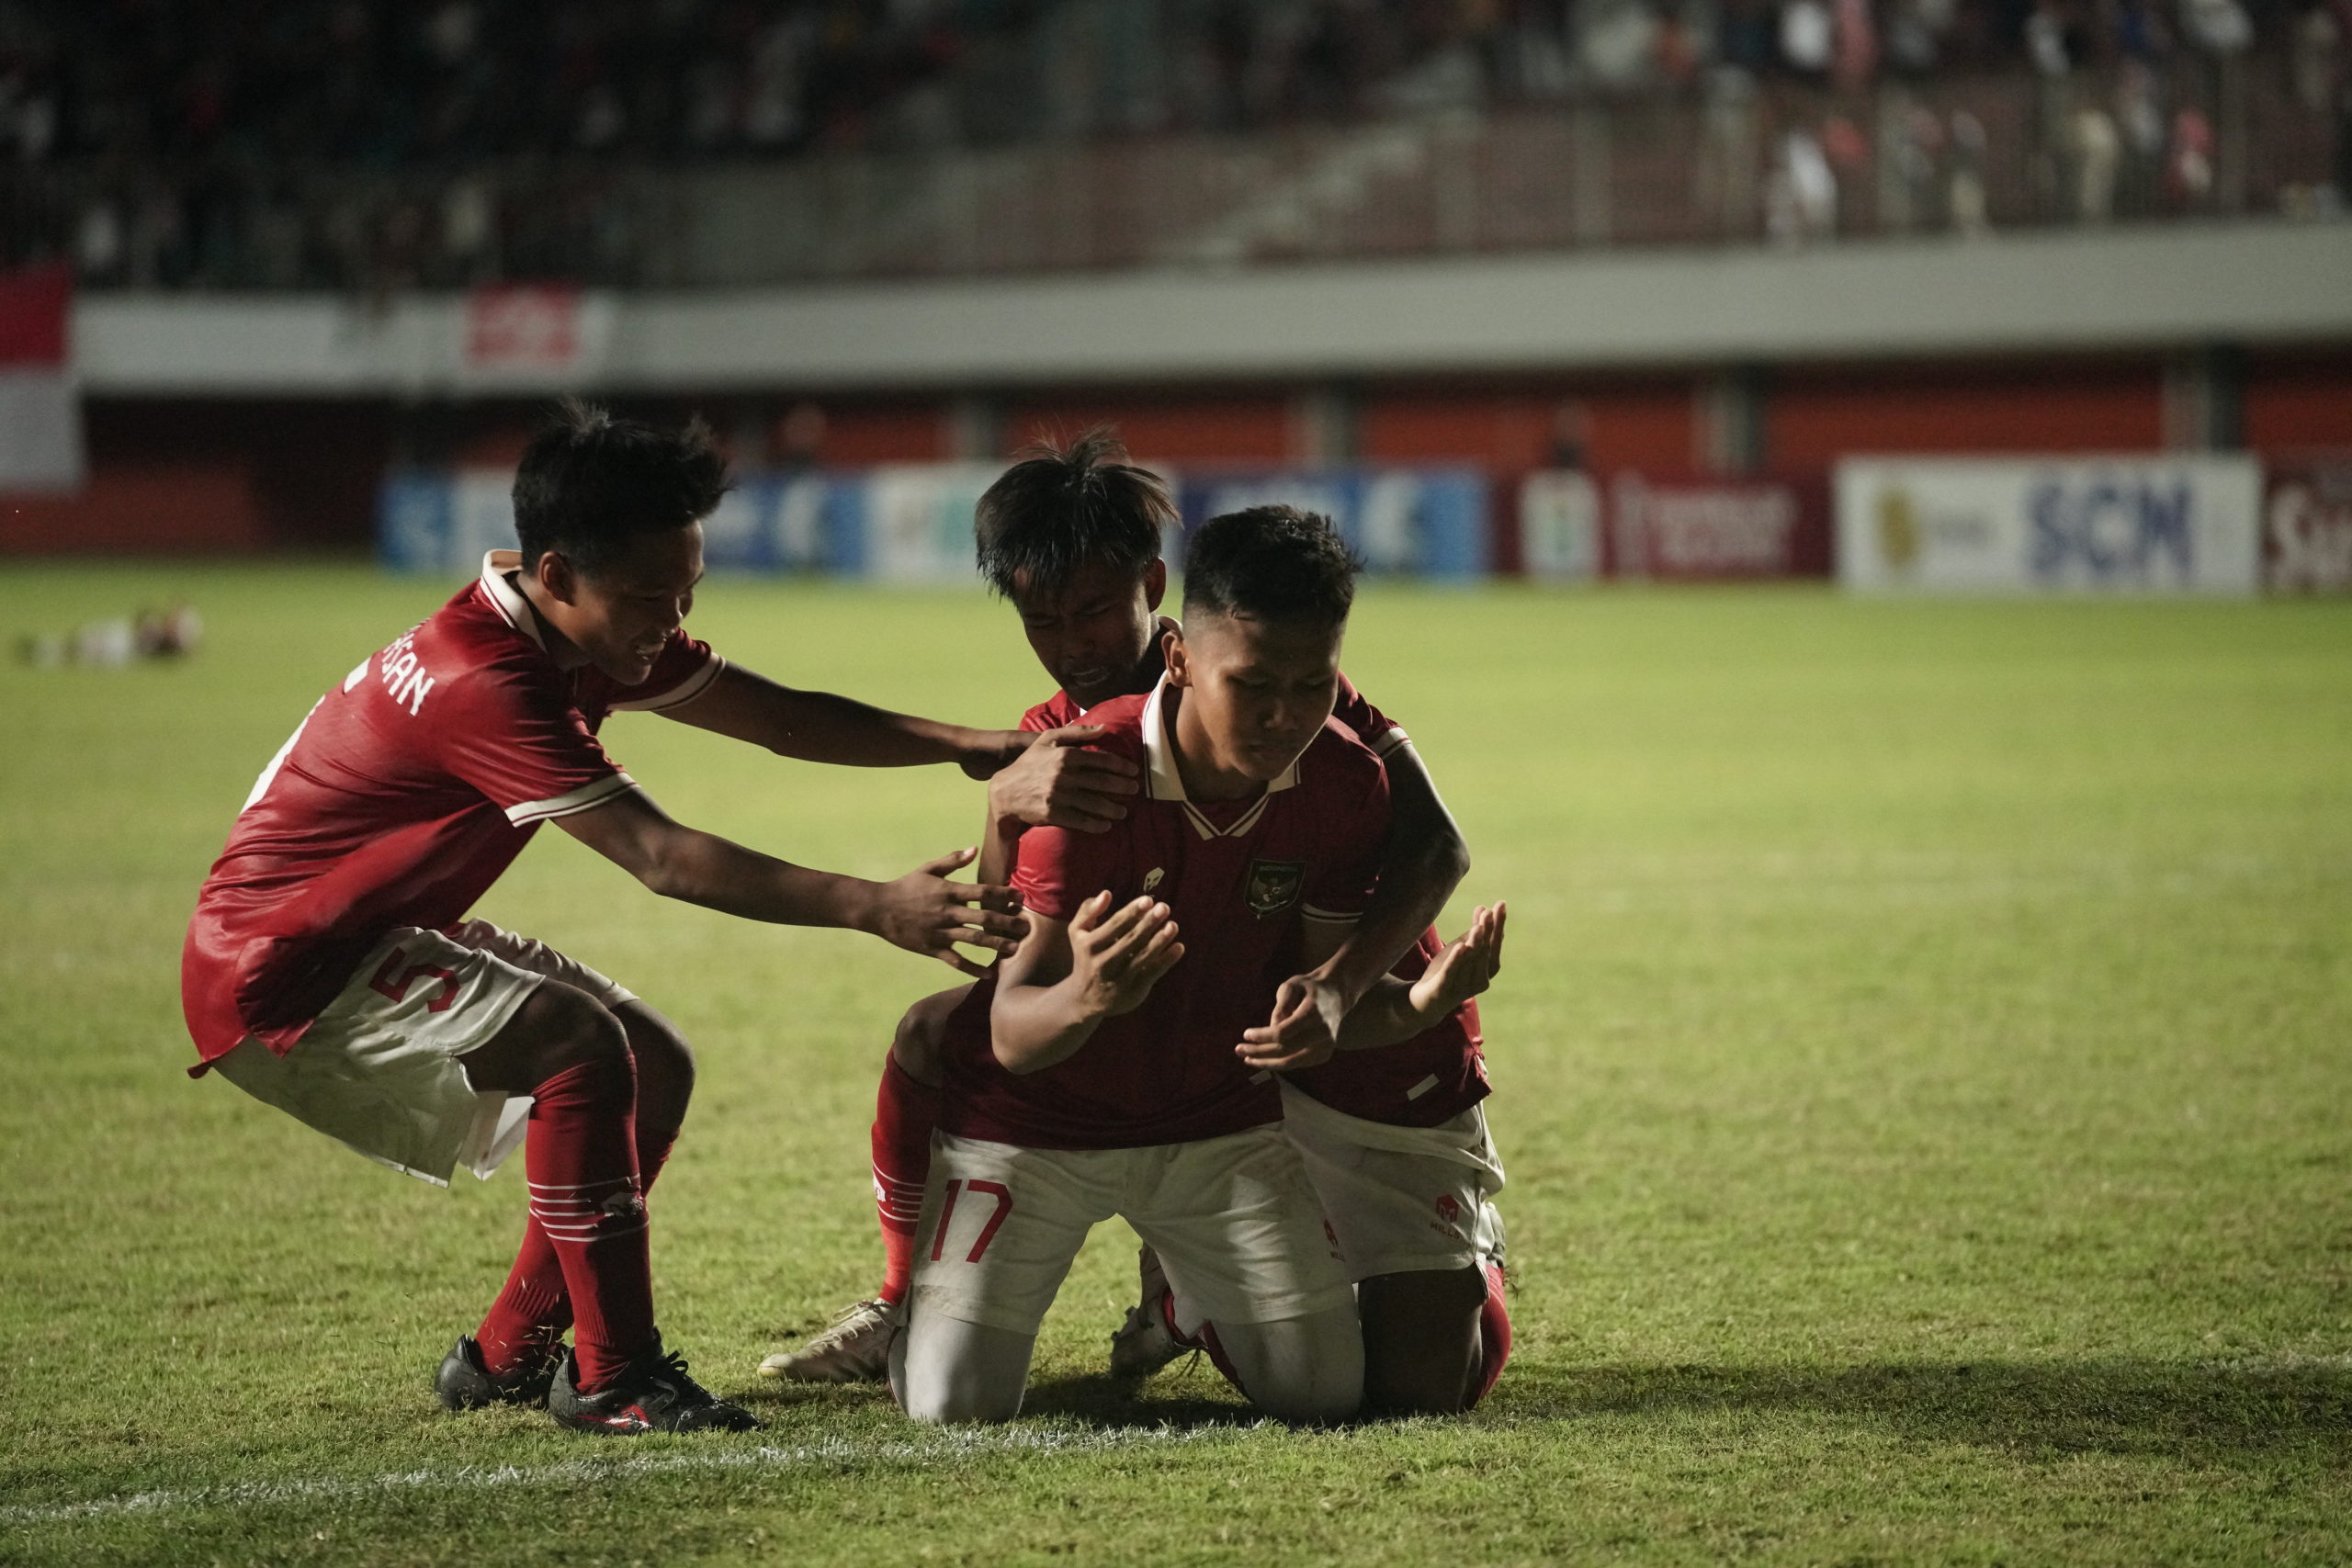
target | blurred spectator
x=2099, y=149
x=2188, y=170
x=1970, y=211
x=1808, y=36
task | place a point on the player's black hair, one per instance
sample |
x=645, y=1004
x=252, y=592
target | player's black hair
x=1270, y=563
x=589, y=483
x=1061, y=508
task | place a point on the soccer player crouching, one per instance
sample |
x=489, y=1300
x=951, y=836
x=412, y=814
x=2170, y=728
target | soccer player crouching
x=1095, y=1073
x=331, y=970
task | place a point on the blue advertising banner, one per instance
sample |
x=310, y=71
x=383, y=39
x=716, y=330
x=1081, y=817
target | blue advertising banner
x=1403, y=521
x=912, y=523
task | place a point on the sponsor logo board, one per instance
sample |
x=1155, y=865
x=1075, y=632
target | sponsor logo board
x=2125, y=525
x=2307, y=528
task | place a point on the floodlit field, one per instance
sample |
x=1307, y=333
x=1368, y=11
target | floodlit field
x=1922, y=1064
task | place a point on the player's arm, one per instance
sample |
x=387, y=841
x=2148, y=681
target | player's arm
x=818, y=727
x=1060, y=781
x=1394, y=1010
x=1425, y=861
x=1065, y=978
x=922, y=911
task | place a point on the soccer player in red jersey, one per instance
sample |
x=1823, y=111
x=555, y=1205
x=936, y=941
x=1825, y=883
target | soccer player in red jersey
x=1096, y=1072
x=1073, y=538
x=331, y=970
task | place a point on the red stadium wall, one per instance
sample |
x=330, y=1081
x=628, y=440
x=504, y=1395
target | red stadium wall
x=1206, y=427
x=175, y=476
x=2298, y=402
x=170, y=475
x=1816, y=416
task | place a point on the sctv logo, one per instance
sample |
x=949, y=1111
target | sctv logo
x=2113, y=528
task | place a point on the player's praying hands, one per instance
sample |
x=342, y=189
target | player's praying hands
x=1062, y=782
x=1117, y=955
x=1467, y=967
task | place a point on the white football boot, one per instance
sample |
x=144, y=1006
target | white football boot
x=1144, y=1344
x=854, y=1347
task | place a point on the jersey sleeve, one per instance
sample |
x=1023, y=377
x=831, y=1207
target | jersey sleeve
x=1051, y=714
x=682, y=672
x=515, y=737
x=1056, y=870
x=1339, y=882
x=1366, y=723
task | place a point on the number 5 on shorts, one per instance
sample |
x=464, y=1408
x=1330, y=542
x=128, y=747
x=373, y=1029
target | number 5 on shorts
x=995, y=1189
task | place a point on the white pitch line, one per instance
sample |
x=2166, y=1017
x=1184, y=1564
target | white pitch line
x=948, y=1444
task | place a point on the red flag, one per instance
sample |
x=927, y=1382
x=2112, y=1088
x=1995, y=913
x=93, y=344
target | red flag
x=40, y=418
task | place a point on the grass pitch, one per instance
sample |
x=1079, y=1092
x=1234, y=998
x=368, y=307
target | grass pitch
x=1921, y=1063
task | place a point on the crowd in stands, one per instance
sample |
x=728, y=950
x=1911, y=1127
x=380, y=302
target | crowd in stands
x=150, y=138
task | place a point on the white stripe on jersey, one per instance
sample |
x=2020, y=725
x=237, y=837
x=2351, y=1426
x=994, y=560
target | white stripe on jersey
x=565, y=805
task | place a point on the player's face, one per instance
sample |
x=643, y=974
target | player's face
x=1255, y=692
x=1092, y=634
x=621, y=616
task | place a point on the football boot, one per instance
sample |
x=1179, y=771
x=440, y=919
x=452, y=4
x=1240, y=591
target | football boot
x=652, y=1393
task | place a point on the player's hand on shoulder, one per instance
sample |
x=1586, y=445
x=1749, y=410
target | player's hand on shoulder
x=1466, y=967
x=923, y=913
x=1063, y=782
x=1117, y=954
x=1303, y=1030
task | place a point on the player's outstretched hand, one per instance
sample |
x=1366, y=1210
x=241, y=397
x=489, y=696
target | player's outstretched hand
x=1467, y=966
x=1303, y=1030
x=1060, y=782
x=1117, y=955
x=995, y=751
x=923, y=913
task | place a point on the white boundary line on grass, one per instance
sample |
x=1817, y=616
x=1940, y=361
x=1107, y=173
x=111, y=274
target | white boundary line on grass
x=937, y=1446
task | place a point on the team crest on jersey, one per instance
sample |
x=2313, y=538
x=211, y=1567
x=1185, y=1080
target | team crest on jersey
x=1274, y=885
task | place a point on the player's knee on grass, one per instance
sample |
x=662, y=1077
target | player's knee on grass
x=943, y=1368
x=665, y=1063
x=921, y=1038
x=557, y=1027
x=1303, y=1369
x=1420, y=1340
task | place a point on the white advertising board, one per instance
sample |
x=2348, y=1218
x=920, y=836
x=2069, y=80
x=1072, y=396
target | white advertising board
x=2124, y=524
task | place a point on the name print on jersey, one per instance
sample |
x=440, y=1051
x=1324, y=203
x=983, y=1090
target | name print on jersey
x=404, y=672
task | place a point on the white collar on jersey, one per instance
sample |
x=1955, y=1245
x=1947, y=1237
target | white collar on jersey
x=1163, y=782
x=504, y=597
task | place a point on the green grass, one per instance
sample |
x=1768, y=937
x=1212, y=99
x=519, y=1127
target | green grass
x=1922, y=1065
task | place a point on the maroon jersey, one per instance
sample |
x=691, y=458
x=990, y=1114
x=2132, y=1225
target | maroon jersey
x=1241, y=876
x=1439, y=1073
x=399, y=801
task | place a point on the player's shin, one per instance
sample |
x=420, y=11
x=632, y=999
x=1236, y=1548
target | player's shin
x=580, y=1153
x=905, y=1112
x=527, y=1324
x=1494, y=1338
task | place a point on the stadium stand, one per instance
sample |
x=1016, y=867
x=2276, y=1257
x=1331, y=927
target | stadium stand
x=319, y=251
x=357, y=146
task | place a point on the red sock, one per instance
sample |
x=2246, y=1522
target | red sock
x=1494, y=1334
x=905, y=1112
x=1201, y=1338
x=581, y=1156
x=533, y=1313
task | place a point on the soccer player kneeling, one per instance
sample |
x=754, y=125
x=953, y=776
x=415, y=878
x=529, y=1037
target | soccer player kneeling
x=1095, y=1073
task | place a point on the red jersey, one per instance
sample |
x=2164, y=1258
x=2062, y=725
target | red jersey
x=401, y=798
x=1241, y=876
x=1439, y=1073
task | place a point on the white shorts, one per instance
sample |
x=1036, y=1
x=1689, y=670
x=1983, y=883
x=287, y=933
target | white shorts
x=1401, y=1199
x=1233, y=1219
x=379, y=1068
